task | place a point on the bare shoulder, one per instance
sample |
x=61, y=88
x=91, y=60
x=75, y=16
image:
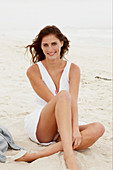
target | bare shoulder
x=74, y=71
x=33, y=70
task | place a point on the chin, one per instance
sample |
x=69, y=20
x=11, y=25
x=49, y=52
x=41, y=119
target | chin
x=53, y=57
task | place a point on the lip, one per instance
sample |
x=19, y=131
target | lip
x=51, y=54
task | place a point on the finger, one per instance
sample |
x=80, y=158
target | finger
x=75, y=143
x=79, y=142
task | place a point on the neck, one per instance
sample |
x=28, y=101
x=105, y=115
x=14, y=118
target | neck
x=53, y=64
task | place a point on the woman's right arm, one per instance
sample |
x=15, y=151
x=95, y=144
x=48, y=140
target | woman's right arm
x=33, y=73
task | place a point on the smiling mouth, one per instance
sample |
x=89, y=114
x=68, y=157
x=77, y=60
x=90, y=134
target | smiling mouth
x=51, y=54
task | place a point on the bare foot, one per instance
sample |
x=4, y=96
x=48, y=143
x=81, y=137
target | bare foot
x=28, y=157
x=71, y=162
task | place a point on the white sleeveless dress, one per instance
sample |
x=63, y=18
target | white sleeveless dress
x=31, y=120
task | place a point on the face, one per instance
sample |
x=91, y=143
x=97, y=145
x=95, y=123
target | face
x=51, y=46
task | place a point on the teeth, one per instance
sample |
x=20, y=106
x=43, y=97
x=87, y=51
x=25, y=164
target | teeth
x=51, y=53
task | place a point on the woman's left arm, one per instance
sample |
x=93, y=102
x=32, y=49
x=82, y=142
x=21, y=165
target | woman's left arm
x=74, y=78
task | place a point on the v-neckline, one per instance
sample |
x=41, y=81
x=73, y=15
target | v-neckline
x=51, y=77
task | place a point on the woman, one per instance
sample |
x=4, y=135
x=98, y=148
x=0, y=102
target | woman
x=56, y=83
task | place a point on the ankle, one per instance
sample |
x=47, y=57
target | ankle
x=71, y=162
x=68, y=155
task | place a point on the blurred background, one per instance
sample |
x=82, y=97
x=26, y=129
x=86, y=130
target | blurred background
x=87, y=23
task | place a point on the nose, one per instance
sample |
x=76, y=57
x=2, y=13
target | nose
x=50, y=48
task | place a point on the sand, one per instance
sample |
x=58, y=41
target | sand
x=16, y=101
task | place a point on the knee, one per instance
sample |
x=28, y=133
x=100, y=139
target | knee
x=97, y=130
x=64, y=96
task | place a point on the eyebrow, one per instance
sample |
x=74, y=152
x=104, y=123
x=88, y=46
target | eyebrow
x=51, y=42
x=44, y=43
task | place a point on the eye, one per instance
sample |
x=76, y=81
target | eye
x=45, y=45
x=54, y=43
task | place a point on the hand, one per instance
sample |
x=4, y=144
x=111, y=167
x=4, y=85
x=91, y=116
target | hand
x=76, y=138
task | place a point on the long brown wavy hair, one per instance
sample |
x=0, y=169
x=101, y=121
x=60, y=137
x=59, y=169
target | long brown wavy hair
x=35, y=47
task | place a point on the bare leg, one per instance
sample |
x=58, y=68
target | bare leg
x=59, y=111
x=90, y=133
x=49, y=150
x=64, y=123
x=58, y=114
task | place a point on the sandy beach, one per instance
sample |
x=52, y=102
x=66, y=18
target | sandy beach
x=17, y=100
